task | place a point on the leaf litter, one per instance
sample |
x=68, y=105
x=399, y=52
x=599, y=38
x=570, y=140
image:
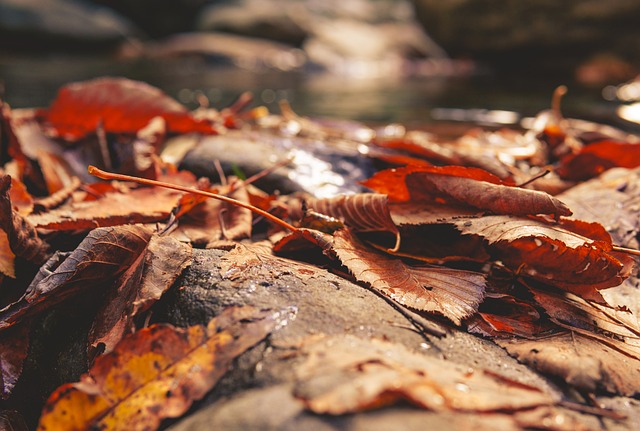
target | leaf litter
x=446, y=233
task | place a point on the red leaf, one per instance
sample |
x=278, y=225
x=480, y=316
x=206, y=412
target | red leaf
x=122, y=105
x=596, y=158
x=392, y=182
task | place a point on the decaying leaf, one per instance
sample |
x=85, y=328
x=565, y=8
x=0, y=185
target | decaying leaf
x=453, y=293
x=155, y=373
x=99, y=260
x=348, y=374
x=613, y=200
x=581, y=361
x=212, y=220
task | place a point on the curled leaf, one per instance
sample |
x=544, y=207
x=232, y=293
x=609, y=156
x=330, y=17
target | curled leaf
x=362, y=212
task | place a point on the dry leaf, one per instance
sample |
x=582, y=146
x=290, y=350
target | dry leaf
x=23, y=238
x=453, y=293
x=155, y=373
x=581, y=361
x=14, y=346
x=496, y=198
x=549, y=253
x=165, y=260
x=348, y=374
x=98, y=261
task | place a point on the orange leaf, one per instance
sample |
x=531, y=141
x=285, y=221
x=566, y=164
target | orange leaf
x=453, y=293
x=122, y=105
x=155, y=373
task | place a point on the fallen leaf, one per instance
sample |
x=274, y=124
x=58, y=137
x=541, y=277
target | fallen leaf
x=392, y=182
x=23, y=238
x=121, y=105
x=581, y=361
x=100, y=259
x=612, y=200
x=453, y=293
x=165, y=260
x=495, y=198
x=348, y=374
x=598, y=157
x=155, y=373
x=362, y=212
x=14, y=346
x=548, y=253
x=210, y=220
x=139, y=205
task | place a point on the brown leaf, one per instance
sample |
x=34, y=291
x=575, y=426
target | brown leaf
x=617, y=328
x=98, y=261
x=165, y=260
x=140, y=205
x=155, y=373
x=453, y=293
x=121, y=105
x=581, y=361
x=611, y=199
x=549, y=253
x=211, y=220
x=392, y=182
x=14, y=346
x=496, y=198
x=23, y=238
x=348, y=374
x=362, y=212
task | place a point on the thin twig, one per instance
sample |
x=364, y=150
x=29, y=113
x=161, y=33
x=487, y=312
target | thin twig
x=121, y=177
x=626, y=250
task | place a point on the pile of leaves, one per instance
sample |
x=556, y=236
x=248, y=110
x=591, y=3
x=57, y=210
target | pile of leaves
x=476, y=230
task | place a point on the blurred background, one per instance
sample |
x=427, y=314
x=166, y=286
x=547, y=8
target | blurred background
x=412, y=61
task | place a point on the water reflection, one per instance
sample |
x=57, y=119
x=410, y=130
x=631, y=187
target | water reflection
x=417, y=99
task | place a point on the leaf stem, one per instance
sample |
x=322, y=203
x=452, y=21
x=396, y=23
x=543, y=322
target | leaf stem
x=621, y=249
x=121, y=177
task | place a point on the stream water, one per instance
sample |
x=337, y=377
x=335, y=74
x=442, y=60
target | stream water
x=34, y=81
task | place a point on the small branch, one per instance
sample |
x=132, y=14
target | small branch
x=120, y=177
x=534, y=178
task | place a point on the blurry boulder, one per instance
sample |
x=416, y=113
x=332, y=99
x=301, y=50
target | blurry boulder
x=542, y=34
x=347, y=36
x=64, y=25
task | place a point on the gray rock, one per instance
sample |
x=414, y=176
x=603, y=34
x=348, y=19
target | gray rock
x=257, y=394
